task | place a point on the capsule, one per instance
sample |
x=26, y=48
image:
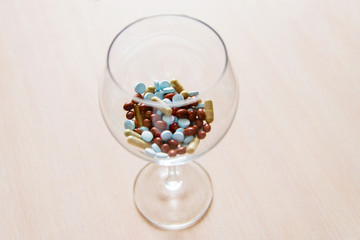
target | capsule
x=209, y=111
x=138, y=115
x=137, y=142
x=177, y=86
x=150, y=89
x=165, y=109
x=193, y=145
x=129, y=132
x=185, y=94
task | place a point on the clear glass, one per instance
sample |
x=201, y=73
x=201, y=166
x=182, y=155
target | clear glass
x=171, y=192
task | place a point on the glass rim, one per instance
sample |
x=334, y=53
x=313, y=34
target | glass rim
x=175, y=104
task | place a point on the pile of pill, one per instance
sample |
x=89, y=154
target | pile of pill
x=164, y=131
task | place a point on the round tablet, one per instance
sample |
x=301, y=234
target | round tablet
x=128, y=124
x=177, y=98
x=148, y=96
x=166, y=135
x=140, y=88
x=164, y=84
x=159, y=94
x=155, y=147
x=178, y=136
x=150, y=152
x=183, y=122
x=147, y=136
x=188, y=139
x=169, y=119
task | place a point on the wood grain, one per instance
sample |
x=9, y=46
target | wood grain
x=292, y=172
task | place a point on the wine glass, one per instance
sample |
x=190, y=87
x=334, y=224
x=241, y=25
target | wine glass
x=172, y=192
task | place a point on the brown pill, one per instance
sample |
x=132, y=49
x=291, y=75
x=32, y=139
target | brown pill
x=173, y=127
x=155, y=117
x=165, y=148
x=207, y=127
x=128, y=106
x=143, y=107
x=147, y=123
x=172, y=153
x=156, y=132
x=174, y=111
x=136, y=123
x=138, y=95
x=195, y=103
x=189, y=131
x=199, y=123
x=169, y=95
x=181, y=113
x=161, y=125
x=130, y=115
x=200, y=113
x=192, y=115
x=181, y=150
x=196, y=129
x=137, y=130
x=147, y=114
x=201, y=134
x=157, y=140
x=172, y=143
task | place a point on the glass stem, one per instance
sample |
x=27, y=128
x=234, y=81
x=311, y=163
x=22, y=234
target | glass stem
x=172, y=182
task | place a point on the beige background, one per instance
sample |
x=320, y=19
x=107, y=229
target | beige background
x=289, y=168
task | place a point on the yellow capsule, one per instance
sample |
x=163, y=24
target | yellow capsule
x=138, y=115
x=150, y=89
x=176, y=85
x=165, y=109
x=185, y=94
x=193, y=145
x=138, y=142
x=209, y=111
x=129, y=132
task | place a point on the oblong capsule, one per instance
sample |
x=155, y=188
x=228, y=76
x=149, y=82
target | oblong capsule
x=165, y=109
x=129, y=132
x=193, y=145
x=209, y=111
x=137, y=142
x=177, y=86
x=138, y=115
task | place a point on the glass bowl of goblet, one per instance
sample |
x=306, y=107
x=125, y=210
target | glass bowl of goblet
x=169, y=96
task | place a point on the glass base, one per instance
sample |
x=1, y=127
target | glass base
x=173, y=197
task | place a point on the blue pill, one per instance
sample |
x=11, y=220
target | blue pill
x=188, y=139
x=157, y=85
x=164, y=84
x=150, y=152
x=178, y=136
x=158, y=112
x=193, y=93
x=177, y=98
x=159, y=94
x=144, y=128
x=128, y=124
x=148, y=96
x=166, y=100
x=168, y=90
x=180, y=130
x=168, y=119
x=155, y=147
x=140, y=88
x=176, y=119
x=166, y=135
x=147, y=136
x=161, y=155
x=201, y=105
x=183, y=122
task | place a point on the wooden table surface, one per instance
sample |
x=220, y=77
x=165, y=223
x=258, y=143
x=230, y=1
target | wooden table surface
x=288, y=169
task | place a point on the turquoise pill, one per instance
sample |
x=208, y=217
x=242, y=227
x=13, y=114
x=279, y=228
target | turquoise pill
x=177, y=98
x=188, y=139
x=166, y=135
x=161, y=155
x=147, y=136
x=128, y=124
x=158, y=112
x=168, y=119
x=180, y=130
x=140, y=88
x=148, y=96
x=144, y=128
x=157, y=85
x=166, y=100
x=193, y=93
x=159, y=94
x=155, y=147
x=164, y=84
x=150, y=152
x=178, y=136
x=168, y=90
x=183, y=122
x=201, y=105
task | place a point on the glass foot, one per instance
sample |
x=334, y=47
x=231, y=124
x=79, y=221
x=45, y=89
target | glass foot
x=173, y=197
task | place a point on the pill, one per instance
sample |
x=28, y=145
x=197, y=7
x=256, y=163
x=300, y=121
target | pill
x=192, y=115
x=165, y=148
x=146, y=136
x=155, y=131
x=172, y=153
x=181, y=113
x=200, y=105
x=156, y=85
x=136, y=123
x=193, y=146
x=147, y=123
x=128, y=106
x=150, y=152
x=159, y=94
x=150, y=89
x=148, y=114
x=207, y=127
x=166, y=135
x=164, y=108
x=180, y=130
x=196, y=129
x=167, y=101
x=193, y=93
x=138, y=131
x=168, y=90
x=200, y=113
x=178, y=136
x=157, y=141
x=128, y=124
x=173, y=127
x=138, y=115
x=199, y=123
x=143, y=107
x=185, y=94
x=155, y=147
x=188, y=139
x=137, y=142
x=177, y=98
x=176, y=119
x=181, y=150
x=209, y=111
x=189, y=131
x=140, y=88
x=169, y=119
x=183, y=122
x=164, y=84
x=129, y=132
x=172, y=143
x=201, y=134
x=161, y=125
x=177, y=85
x=158, y=112
x=169, y=96
x=155, y=117
x=143, y=128
x=130, y=115
x=137, y=96
x=148, y=96
x=161, y=155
